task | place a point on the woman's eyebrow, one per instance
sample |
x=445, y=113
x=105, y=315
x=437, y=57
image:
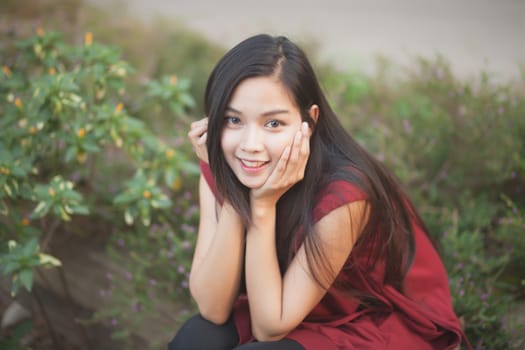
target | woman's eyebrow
x=265, y=114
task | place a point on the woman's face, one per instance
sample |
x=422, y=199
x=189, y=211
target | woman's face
x=261, y=119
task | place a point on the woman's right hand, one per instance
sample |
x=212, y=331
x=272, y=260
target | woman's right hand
x=198, y=134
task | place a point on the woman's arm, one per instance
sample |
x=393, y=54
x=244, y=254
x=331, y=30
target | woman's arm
x=278, y=304
x=218, y=259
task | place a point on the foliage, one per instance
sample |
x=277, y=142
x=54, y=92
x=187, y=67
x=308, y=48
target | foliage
x=458, y=147
x=155, y=268
x=63, y=113
x=13, y=339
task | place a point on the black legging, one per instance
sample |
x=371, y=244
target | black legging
x=200, y=334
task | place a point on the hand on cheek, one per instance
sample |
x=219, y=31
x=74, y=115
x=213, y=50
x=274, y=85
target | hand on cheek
x=289, y=169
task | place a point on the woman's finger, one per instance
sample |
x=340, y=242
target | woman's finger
x=198, y=135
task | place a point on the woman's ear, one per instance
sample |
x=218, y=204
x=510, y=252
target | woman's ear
x=314, y=113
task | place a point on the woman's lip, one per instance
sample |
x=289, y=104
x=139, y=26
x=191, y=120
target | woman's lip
x=252, y=165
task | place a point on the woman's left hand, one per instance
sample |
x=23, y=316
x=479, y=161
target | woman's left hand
x=288, y=171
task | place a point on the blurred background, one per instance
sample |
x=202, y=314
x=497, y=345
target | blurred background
x=472, y=34
x=98, y=183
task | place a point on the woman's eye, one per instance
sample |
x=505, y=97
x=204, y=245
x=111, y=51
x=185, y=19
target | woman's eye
x=232, y=120
x=274, y=123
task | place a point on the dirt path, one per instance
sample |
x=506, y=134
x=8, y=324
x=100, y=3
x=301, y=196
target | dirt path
x=472, y=34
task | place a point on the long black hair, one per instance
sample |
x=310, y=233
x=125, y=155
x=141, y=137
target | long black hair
x=387, y=234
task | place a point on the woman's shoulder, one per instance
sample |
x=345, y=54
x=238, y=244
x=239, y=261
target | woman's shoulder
x=336, y=193
x=208, y=176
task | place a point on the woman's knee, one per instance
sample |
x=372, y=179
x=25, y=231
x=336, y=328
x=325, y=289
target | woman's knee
x=283, y=344
x=200, y=334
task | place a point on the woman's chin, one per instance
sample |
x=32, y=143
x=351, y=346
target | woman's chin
x=251, y=183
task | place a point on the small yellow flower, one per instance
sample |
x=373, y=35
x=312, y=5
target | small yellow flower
x=81, y=157
x=4, y=170
x=81, y=133
x=25, y=221
x=22, y=123
x=88, y=38
x=51, y=192
x=18, y=102
x=40, y=31
x=177, y=184
x=6, y=71
x=100, y=94
x=52, y=71
x=170, y=153
x=146, y=194
x=119, y=108
x=32, y=130
x=173, y=80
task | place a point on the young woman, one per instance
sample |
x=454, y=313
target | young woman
x=305, y=240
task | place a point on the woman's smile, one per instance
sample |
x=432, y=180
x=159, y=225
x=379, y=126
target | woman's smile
x=253, y=166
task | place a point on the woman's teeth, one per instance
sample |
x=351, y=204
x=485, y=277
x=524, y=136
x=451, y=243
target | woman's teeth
x=253, y=164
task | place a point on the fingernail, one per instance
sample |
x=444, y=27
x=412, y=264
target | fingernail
x=304, y=127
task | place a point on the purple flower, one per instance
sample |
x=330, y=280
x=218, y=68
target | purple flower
x=439, y=74
x=186, y=245
x=121, y=242
x=181, y=269
x=407, y=126
x=443, y=174
x=184, y=284
x=484, y=296
x=114, y=322
x=136, y=307
x=128, y=275
x=194, y=209
x=152, y=282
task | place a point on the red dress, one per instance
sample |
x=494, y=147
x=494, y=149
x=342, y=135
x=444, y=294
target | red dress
x=422, y=318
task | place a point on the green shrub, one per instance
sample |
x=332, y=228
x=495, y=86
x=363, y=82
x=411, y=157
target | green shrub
x=61, y=118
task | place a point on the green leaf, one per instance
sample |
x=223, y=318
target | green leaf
x=187, y=100
x=8, y=190
x=10, y=267
x=41, y=209
x=63, y=214
x=70, y=154
x=162, y=202
x=26, y=278
x=124, y=197
x=4, y=209
x=80, y=210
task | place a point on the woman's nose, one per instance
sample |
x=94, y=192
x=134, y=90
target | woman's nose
x=252, y=140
